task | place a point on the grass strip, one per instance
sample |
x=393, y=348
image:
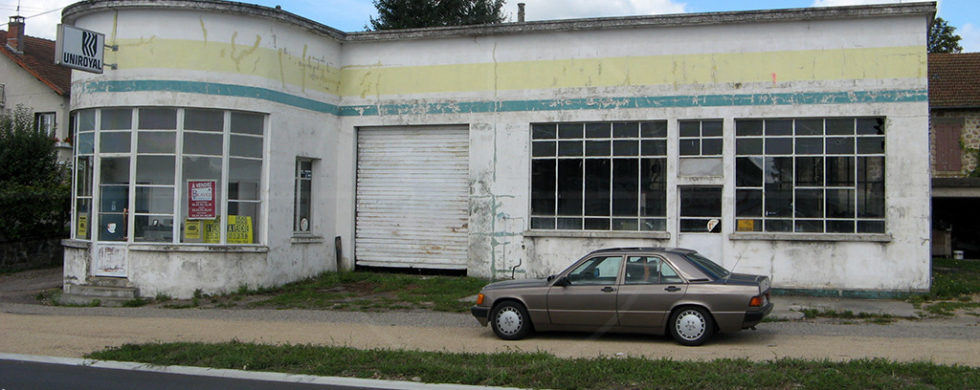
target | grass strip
x=543, y=370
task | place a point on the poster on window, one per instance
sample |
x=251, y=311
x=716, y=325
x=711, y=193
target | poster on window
x=200, y=199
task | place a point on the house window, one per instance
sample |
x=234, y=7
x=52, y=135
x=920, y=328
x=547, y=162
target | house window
x=810, y=175
x=167, y=175
x=700, y=138
x=303, y=206
x=44, y=123
x=599, y=176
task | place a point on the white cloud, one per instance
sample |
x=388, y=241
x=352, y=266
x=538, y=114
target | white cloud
x=42, y=16
x=569, y=9
x=971, y=38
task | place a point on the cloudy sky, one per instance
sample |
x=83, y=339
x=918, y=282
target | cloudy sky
x=352, y=15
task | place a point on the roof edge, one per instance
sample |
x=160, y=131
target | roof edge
x=77, y=10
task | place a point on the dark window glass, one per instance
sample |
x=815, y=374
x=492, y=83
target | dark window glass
x=597, y=130
x=809, y=127
x=871, y=126
x=597, y=148
x=744, y=127
x=626, y=148
x=779, y=145
x=570, y=223
x=748, y=203
x=871, y=226
x=653, y=147
x=158, y=118
x=656, y=129
x=626, y=130
x=809, y=171
x=625, y=187
x=779, y=127
x=840, y=145
x=701, y=202
x=690, y=147
x=207, y=120
x=748, y=171
x=840, y=126
x=690, y=128
x=543, y=131
x=570, y=130
x=570, y=187
x=543, y=187
x=711, y=147
x=711, y=128
x=597, y=223
x=840, y=171
x=654, y=187
x=809, y=146
x=871, y=145
x=809, y=226
x=779, y=225
x=840, y=226
x=542, y=223
x=809, y=203
x=569, y=148
x=597, y=187
x=779, y=187
x=748, y=146
x=871, y=187
x=840, y=203
x=543, y=148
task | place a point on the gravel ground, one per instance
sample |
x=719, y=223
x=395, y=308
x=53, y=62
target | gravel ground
x=74, y=331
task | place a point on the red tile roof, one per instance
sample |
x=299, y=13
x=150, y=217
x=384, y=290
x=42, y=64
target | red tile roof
x=954, y=80
x=38, y=59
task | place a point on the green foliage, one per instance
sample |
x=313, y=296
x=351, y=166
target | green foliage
x=35, y=191
x=543, y=370
x=942, y=38
x=398, y=14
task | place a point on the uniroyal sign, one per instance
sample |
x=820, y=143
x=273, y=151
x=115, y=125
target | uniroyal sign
x=79, y=49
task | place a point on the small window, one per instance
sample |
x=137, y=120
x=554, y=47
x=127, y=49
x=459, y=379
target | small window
x=303, y=209
x=44, y=123
x=597, y=270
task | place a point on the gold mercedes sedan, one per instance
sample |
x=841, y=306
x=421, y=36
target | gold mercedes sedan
x=630, y=290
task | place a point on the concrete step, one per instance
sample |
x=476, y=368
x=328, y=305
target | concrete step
x=106, y=296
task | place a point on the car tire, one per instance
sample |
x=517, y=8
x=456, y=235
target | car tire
x=691, y=325
x=510, y=321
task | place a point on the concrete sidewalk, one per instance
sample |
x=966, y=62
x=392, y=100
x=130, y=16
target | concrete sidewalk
x=790, y=307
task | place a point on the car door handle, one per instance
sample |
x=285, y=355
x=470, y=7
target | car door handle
x=672, y=289
x=608, y=289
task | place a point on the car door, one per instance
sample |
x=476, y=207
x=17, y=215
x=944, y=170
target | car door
x=589, y=298
x=649, y=290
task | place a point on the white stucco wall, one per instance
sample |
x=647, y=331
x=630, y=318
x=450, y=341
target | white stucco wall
x=22, y=88
x=318, y=87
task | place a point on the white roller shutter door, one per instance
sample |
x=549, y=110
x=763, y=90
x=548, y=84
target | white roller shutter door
x=412, y=197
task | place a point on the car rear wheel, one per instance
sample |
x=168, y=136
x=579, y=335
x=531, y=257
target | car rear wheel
x=510, y=321
x=691, y=325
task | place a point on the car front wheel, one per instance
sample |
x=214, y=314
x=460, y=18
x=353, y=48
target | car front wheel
x=691, y=326
x=510, y=321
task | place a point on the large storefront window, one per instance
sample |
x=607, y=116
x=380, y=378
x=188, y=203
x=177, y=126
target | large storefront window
x=599, y=176
x=813, y=175
x=168, y=175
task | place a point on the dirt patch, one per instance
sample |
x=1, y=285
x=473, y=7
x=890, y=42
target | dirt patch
x=24, y=287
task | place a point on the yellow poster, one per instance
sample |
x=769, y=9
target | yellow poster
x=82, y=229
x=239, y=229
x=746, y=225
x=192, y=230
x=211, y=233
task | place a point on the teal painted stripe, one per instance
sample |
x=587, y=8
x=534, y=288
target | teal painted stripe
x=205, y=88
x=864, y=294
x=760, y=99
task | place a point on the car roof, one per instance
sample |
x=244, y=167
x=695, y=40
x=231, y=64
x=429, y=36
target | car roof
x=680, y=251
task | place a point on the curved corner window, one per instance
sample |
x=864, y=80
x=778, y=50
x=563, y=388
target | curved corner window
x=168, y=175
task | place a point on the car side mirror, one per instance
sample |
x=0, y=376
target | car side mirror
x=563, y=281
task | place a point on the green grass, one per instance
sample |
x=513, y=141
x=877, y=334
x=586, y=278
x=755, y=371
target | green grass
x=542, y=370
x=371, y=291
x=955, y=283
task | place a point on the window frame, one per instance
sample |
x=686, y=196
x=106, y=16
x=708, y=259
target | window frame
x=90, y=139
x=767, y=156
x=46, y=122
x=618, y=146
x=297, y=198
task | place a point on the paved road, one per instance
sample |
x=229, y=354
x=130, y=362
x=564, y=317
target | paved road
x=72, y=332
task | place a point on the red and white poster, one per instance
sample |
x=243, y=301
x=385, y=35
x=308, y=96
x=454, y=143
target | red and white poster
x=200, y=199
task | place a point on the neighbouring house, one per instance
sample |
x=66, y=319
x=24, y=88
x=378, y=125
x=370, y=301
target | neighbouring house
x=29, y=77
x=239, y=145
x=954, y=104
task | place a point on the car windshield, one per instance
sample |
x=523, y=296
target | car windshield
x=708, y=266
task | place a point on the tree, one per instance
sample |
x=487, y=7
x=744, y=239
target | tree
x=942, y=38
x=34, y=189
x=397, y=14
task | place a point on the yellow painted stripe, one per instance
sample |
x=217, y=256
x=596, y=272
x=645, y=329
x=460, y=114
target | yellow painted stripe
x=247, y=57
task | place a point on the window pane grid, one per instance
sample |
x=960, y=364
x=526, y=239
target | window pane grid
x=590, y=175
x=825, y=156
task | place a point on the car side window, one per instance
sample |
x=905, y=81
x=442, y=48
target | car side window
x=596, y=271
x=642, y=269
x=668, y=274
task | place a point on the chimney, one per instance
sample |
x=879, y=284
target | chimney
x=15, y=34
x=520, y=12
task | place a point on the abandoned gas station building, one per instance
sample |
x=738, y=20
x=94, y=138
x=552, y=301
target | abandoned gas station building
x=237, y=145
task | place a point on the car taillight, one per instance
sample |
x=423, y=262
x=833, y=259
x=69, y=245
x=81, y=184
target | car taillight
x=756, y=301
x=479, y=299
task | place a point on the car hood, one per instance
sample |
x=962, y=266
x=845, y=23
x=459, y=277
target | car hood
x=519, y=283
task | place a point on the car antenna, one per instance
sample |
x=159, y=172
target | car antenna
x=732, y=271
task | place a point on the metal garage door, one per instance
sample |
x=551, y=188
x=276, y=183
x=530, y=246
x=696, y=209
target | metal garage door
x=412, y=197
